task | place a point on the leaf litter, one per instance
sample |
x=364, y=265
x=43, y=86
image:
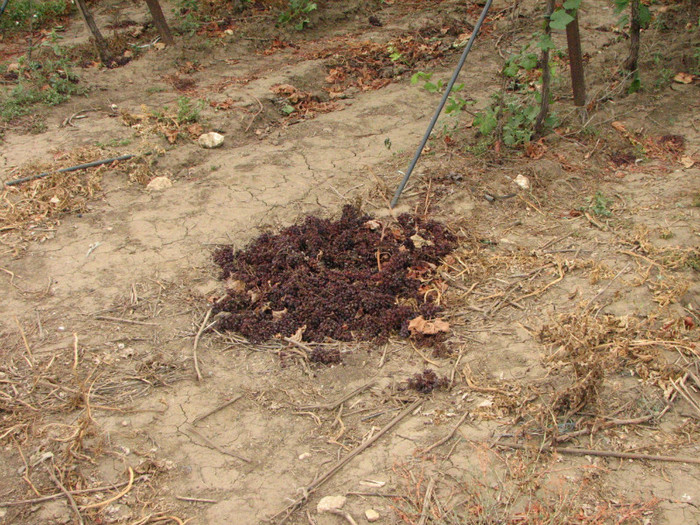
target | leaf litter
x=356, y=278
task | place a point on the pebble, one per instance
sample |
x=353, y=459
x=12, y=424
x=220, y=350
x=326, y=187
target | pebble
x=371, y=515
x=522, y=181
x=159, y=184
x=330, y=503
x=211, y=140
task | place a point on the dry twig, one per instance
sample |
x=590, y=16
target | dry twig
x=605, y=453
x=68, y=495
x=426, y=502
x=215, y=410
x=196, y=343
x=287, y=512
x=448, y=436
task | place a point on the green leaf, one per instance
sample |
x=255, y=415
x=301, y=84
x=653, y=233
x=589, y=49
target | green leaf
x=620, y=5
x=430, y=87
x=486, y=122
x=528, y=62
x=572, y=4
x=644, y=15
x=545, y=42
x=287, y=109
x=560, y=19
x=635, y=85
x=420, y=76
x=511, y=69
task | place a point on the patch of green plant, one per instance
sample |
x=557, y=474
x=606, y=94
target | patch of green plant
x=48, y=81
x=21, y=15
x=190, y=18
x=513, y=118
x=150, y=90
x=644, y=13
x=188, y=111
x=114, y=143
x=395, y=55
x=693, y=262
x=599, y=204
x=296, y=14
x=696, y=200
x=513, y=112
x=480, y=148
x=455, y=103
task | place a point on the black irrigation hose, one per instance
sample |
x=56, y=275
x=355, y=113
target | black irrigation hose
x=3, y=6
x=445, y=96
x=66, y=170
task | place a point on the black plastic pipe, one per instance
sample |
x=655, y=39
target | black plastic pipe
x=66, y=170
x=445, y=96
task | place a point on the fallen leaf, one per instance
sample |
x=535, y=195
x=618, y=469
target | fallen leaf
x=278, y=314
x=687, y=162
x=299, y=334
x=420, y=326
x=195, y=129
x=619, y=126
x=684, y=78
x=235, y=285
x=419, y=241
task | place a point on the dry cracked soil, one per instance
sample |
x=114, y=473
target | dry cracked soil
x=573, y=304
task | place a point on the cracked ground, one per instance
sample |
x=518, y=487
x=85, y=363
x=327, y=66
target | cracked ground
x=101, y=313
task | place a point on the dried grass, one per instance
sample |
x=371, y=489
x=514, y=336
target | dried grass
x=31, y=211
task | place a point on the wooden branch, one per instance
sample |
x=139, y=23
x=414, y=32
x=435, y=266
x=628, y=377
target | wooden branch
x=605, y=453
x=287, y=512
x=448, y=436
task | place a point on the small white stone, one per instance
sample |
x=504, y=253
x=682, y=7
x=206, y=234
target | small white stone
x=159, y=184
x=371, y=515
x=304, y=456
x=211, y=140
x=330, y=503
x=522, y=181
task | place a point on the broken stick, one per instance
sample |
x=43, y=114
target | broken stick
x=287, y=512
x=605, y=453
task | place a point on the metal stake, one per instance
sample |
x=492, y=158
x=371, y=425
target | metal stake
x=445, y=96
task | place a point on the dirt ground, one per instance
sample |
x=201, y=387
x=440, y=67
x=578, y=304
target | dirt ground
x=573, y=305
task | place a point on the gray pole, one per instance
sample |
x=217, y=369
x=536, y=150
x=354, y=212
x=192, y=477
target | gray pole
x=445, y=96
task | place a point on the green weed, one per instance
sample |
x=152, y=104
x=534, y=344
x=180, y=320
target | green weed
x=599, y=204
x=455, y=103
x=188, y=111
x=20, y=15
x=114, y=143
x=150, y=90
x=296, y=14
x=694, y=263
x=49, y=81
x=512, y=114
